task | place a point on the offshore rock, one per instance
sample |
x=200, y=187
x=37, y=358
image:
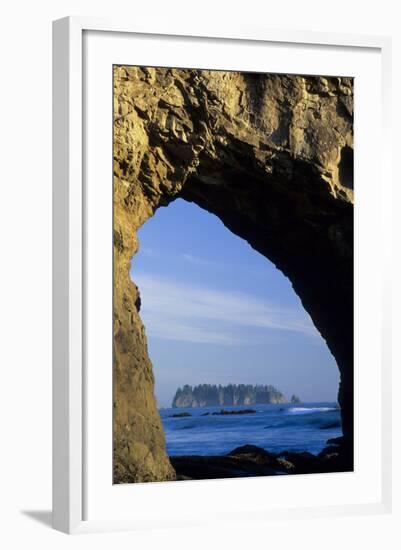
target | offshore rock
x=210, y=395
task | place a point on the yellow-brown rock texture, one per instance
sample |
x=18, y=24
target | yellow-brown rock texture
x=272, y=157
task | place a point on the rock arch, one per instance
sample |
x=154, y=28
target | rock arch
x=270, y=156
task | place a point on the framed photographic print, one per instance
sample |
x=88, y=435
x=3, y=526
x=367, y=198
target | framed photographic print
x=220, y=259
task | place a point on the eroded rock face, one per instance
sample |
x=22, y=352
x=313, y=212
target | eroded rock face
x=272, y=157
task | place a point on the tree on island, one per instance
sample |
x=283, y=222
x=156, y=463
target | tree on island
x=206, y=395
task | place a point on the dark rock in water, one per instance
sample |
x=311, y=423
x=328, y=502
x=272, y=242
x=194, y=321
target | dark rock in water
x=295, y=399
x=225, y=412
x=180, y=415
x=302, y=463
x=250, y=460
x=332, y=450
x=247, y=461
x=251, y=451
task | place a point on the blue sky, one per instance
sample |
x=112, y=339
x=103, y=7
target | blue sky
x=216, y=311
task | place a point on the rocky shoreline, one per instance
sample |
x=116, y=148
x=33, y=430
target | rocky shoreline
x=251, y=461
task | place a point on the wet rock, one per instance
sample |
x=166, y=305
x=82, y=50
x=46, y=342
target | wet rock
x=250, y=460
x=224, y=412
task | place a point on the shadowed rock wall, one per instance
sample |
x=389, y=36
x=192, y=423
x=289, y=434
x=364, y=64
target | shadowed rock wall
x=272, y=157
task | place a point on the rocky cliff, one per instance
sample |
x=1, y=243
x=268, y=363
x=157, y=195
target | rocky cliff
x=272, y=157
x=209, y=395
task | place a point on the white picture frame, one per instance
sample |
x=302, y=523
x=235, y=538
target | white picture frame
x=69, y=253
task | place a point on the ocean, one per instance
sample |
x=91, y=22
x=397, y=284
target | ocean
x=275, y=428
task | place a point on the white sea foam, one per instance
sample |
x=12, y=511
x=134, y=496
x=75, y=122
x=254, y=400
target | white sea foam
x=306, y=410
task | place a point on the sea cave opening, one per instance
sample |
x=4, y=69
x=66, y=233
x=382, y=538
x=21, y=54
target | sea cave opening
x=236, y=358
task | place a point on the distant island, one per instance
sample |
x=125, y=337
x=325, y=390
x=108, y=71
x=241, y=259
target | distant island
x=209, y=395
